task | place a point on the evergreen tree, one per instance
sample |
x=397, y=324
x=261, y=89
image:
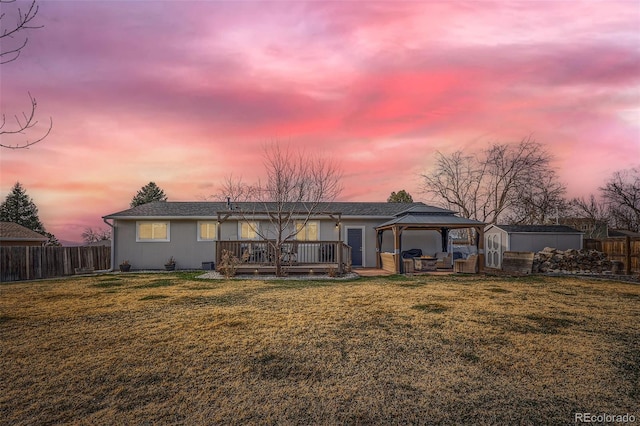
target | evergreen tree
x=147, y=194
x=19, y=208
x=401, y=196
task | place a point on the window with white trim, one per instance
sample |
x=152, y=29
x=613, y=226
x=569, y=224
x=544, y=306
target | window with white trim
x=309, y=231
x=248, y=230
x=152, y=231
x=207, y=230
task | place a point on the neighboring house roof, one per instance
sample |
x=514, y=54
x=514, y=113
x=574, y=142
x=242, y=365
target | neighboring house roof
x=517, y=229
x=10, y=231
x=205, y=209
x=623, y=233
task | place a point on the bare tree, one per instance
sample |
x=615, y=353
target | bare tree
x=9, y=53
x=588, y=215
x=10, y=31
x=455, y=182
x=539, y=202
x=622, y=196
x=91, y=235
x=296, y=188
x=490, y=186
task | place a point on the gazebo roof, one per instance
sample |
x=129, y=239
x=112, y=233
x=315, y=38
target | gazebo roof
x=427, y=217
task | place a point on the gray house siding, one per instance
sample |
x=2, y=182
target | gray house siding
x=368, y=237
x=184, y=246
x=429, y=242
x=189, y=253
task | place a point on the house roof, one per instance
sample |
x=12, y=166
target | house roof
x=623, y=233
x=10, y=231
x=423, y=209
x=204, y=209
x=558, y=229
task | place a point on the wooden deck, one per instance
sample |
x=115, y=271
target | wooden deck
x=298, y=269
x=297, y=257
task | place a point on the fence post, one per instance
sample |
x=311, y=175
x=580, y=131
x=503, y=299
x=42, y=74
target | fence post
x=627, y=253
x=28, y=261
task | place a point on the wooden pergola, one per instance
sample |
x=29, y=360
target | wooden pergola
x=427, y=218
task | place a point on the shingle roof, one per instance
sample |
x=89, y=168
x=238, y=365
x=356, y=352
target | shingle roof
x=623, y=233
x=424, y=221
x=10, y=231
x=539, y=228
x=210, y=209
x=423, y=209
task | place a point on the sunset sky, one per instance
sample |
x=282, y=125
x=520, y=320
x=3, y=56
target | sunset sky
x=185, y=93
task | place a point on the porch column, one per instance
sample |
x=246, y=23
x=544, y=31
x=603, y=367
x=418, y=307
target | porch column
x=480, y=230
x=378, y=248
x=397, y=247
x=444, y=233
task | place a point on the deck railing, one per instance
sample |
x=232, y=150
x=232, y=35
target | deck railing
x=263, y=253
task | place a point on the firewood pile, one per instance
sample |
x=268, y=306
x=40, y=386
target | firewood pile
x=572, y=261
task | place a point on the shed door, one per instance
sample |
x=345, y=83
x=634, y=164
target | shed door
x=354, y=239
x=493, y=251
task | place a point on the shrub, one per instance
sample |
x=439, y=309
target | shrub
x=228, y=264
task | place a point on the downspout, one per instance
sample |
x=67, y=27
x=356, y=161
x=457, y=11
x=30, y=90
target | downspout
x=113, y=243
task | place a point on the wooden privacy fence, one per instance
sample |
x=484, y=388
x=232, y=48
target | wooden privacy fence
x=30, y=263
x=623, y=249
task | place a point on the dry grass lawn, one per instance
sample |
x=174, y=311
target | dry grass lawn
x=173, y=349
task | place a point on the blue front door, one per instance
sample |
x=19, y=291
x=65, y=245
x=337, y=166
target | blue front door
x=354, y=240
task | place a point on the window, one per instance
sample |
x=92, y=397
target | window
x=248, y=230
x=152, y=231
x=309, y=231
x=207, y=231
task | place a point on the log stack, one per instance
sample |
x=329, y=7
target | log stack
x=551, y=260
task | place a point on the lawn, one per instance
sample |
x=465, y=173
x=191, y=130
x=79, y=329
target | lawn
x=170, y=348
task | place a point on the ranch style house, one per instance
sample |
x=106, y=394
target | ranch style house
x=339, y=235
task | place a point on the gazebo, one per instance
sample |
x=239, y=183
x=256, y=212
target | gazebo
x=427, y=218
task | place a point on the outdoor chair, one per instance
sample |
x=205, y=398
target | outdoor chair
x=466, y=266
x=288, y=253
x=444, y=260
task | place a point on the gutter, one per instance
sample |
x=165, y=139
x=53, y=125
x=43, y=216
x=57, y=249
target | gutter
x=113, y=244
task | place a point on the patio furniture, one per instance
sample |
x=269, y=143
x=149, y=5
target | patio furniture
x=388, y=262
x=425, y=263
x=409, y=254
x=407, y=266
x=288, y=253
x=466, y=266
x=444, y=260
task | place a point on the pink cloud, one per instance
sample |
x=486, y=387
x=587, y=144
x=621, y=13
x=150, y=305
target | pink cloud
x=186, y=93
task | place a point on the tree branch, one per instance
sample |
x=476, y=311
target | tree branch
x=27, y=122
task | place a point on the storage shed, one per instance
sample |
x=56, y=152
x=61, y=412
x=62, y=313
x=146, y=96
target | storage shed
x=533, y=238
